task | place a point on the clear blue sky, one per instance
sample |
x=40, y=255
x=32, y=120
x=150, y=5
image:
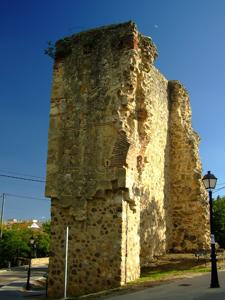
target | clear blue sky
x=190, y=37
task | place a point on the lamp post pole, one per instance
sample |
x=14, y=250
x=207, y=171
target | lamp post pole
x=33, y=244
x=29, y=266
x=209, y=181
x=214, y=274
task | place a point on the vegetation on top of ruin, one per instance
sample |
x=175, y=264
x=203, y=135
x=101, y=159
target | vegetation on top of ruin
x=50, y=50
x=63, y=47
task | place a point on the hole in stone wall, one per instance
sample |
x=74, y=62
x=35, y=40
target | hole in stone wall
x=114, y=184
x=139, y=163
x=107, y=163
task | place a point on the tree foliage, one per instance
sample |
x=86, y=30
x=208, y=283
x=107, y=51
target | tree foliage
x=219, y=220
x=42, y=240
x=15, y=243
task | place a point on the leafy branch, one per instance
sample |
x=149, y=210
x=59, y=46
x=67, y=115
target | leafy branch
x=50, y=50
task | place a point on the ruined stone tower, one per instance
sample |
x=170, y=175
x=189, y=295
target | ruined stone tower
x=123, y=168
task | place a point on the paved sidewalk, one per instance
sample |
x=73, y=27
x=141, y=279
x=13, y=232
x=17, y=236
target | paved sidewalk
x=16, y=291
x=12, y=293
x=194, y=288
x=13, y=282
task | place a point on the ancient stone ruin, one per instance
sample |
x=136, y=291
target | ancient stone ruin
x=123, y=167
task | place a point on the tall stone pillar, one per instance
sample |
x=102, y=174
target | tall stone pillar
x=189, y=230
x=90, y=143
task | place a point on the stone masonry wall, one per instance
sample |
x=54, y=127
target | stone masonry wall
x=94, y=255
x=97, y=259
x=152, y=159
x=88, y=148
x=123, y=170
x=188, y=197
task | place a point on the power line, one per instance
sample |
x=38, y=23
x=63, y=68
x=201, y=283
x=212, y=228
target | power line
x=223, y=187
x=26, y=197
x=220, y=183
x=22, y=178
x=43, y=181
x=21, y=174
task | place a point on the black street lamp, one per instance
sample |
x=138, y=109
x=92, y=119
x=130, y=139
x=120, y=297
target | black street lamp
x=209, y=181
x=32, y=243
x=33, y=226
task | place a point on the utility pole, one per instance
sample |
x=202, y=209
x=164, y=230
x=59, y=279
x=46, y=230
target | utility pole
x=2, y=211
